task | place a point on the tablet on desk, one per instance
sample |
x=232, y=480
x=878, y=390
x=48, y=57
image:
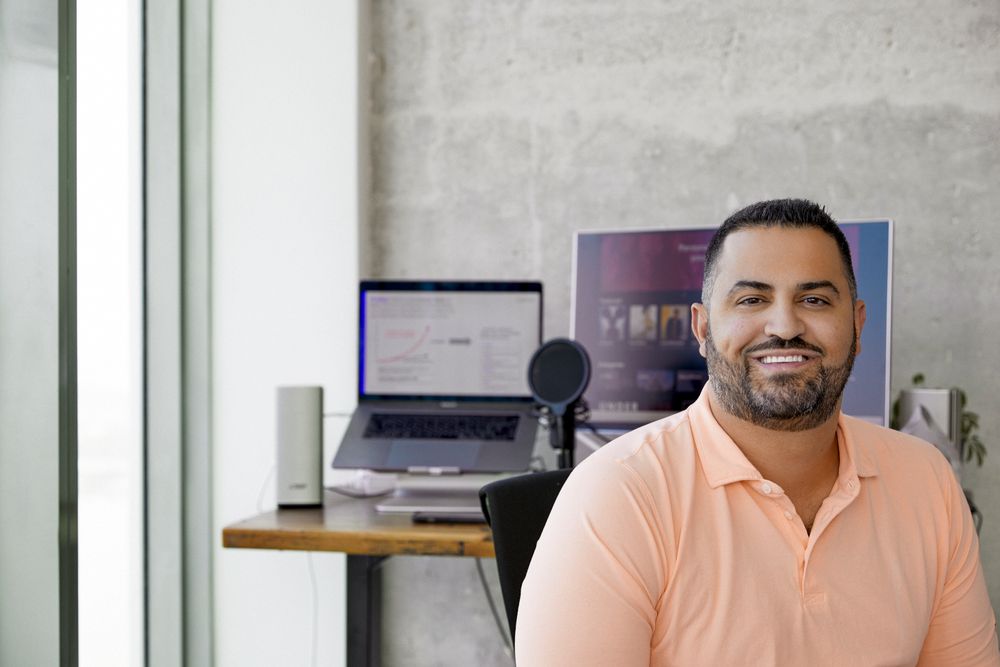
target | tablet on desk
x=435, y=501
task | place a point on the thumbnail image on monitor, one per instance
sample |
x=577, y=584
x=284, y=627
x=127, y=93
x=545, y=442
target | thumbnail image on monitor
x=632, y=293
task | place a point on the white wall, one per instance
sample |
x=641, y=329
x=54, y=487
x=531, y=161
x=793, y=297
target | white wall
x=285, y=268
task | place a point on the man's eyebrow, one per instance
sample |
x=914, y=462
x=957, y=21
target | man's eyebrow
x=751, y=285
x=758, y=286
x=818, y=284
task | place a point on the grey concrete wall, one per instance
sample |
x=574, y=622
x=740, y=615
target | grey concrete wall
x=499, y=128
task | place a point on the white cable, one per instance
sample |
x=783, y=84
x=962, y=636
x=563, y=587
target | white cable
x=312, y=576
x=263, y=487
x=315, y=609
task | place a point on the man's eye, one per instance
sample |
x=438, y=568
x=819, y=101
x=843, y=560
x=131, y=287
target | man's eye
x=749, y=301
x=815, y=301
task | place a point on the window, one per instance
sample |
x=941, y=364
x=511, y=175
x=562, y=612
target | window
x=109, y=333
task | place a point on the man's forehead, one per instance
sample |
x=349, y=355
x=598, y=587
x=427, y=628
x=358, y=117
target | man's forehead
x=779, y=256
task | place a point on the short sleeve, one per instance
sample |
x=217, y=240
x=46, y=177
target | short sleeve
x=592, y=591
x=963, y=626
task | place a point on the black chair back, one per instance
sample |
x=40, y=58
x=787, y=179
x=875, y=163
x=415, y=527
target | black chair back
x=516, y=509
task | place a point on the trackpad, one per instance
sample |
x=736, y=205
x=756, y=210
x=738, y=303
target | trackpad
x=414, y=453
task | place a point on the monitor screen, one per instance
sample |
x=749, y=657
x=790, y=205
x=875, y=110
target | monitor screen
x=632, y=292
x=447, y=339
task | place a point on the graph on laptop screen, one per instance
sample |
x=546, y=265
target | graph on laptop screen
x=441, y=342
x=632, y=292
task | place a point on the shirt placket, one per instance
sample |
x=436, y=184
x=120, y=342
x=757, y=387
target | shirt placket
x=784, y=515
x=847, y=489
x=781, y=512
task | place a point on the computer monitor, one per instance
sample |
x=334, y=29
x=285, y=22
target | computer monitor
x=632, y=291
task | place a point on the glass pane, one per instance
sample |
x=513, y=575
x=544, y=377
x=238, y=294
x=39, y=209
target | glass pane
x=30, y=425
x=109, y=334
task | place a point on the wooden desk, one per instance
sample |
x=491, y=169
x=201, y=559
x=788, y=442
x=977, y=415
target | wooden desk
x=352, y=526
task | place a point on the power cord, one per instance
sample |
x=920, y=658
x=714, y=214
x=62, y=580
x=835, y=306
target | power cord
x=508, y=647
x=315, y=608
x=537, y=464
x=977, y=516
x=263, y=487
x=600, y=436
x=362, y=487
x=312, y=574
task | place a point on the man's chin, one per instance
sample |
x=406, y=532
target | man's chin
x=782, y=383
x=784, y=405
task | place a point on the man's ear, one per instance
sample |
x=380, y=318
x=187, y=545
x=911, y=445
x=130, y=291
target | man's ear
x=699, y=325
x=860, y=314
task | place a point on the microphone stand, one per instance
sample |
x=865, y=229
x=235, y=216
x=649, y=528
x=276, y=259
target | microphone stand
x=562, y=436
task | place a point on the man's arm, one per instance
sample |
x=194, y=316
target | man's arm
x=963, y=628
x=591, y=593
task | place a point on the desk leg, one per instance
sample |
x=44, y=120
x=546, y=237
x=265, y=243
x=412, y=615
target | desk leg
x=364, y=611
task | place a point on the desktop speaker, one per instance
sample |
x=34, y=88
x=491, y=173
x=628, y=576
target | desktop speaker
x=300, y=446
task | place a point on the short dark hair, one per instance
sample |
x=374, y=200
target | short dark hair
x=795, y=213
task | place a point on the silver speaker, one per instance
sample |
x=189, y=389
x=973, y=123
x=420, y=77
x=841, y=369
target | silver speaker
x=300, y=446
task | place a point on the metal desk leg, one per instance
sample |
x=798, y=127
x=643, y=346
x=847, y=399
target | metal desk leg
x=364, y=611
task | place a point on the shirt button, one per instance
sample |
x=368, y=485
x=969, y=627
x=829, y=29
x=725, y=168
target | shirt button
x=850, y=484
x=766, y=488
x=789, y=516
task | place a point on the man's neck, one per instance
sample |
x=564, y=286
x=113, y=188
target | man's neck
x=804, y=463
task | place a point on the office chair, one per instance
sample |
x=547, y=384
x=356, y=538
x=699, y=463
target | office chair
x=516, y=509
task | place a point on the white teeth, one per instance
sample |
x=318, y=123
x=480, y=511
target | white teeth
x=783, y=360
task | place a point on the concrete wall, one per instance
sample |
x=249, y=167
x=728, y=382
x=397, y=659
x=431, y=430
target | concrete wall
x=499, y=128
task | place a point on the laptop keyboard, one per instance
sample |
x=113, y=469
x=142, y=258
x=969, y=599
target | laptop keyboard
x=442, y=427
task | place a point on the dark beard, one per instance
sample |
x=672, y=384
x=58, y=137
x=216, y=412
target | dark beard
x=787, y=402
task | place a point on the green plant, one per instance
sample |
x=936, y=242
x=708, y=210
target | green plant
x=971, y=445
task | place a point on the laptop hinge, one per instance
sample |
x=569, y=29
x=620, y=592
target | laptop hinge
x=435, y=471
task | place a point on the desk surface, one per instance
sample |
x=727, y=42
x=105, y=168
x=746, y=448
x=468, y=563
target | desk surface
x=352, y=526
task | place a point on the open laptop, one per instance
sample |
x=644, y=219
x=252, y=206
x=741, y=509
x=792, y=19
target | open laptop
x=442, y=384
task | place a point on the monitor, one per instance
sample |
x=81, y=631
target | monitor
x=632, y=291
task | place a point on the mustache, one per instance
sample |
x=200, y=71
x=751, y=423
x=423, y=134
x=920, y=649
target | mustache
x=776, y=343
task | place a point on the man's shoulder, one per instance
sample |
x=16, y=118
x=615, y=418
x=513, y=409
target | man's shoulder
x=651, y=449
x=882, y=437
x=893, y=452
x=636, y=474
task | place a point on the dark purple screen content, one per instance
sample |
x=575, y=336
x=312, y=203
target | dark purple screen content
x=633, y=292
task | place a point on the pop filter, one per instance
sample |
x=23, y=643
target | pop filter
x=558, y=374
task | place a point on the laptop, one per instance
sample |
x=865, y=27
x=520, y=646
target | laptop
x=443, y=385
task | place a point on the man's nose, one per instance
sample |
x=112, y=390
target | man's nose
x=784, y=322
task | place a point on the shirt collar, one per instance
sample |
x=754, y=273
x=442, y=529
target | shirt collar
x=724, y=462
x=851, y=446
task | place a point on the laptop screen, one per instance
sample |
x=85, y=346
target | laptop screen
x=453, y=340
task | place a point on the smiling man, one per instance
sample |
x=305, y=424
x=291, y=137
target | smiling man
x=761, y=526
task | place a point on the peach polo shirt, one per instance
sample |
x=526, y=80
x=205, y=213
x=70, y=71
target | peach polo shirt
x=667, y=547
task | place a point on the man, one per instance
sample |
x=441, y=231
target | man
x=761, y=526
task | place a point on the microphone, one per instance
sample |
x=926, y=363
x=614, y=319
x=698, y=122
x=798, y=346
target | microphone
x=558, y=374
